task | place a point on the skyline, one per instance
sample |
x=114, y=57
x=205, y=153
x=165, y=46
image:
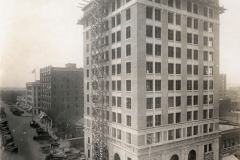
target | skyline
x=46, y=33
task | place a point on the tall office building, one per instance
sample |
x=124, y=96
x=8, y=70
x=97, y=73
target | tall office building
x=62, y=89
x=33, y=96
x=222, y=86
x=162, y=67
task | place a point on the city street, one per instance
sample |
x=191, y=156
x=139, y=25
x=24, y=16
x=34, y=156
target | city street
x=23, y=138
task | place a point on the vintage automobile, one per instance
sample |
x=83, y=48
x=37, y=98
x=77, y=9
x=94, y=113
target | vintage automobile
x=42, y=137
x=34, y=124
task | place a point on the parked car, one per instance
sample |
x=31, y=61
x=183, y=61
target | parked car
x=42, y=137
x=34, y=124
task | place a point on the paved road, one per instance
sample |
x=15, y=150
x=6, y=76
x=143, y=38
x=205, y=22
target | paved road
x=23, y=138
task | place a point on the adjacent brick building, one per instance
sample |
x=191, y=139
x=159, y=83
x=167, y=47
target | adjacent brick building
x=33, y=96
x=62, y=89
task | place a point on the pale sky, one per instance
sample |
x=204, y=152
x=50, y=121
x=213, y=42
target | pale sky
x=38, y=33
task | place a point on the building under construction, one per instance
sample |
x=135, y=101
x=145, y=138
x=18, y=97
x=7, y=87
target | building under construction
x=151, y=72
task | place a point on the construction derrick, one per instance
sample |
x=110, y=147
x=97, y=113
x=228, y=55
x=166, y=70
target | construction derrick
x=98, y=80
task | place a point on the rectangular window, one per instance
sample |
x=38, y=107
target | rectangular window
x=157, y=85
x=189, y=100
x=149, y=49
x=195, y=57
x=210, y=113
x=170, y=102
x=114, y=117
x=149, y=67
x=195, y=85
x=195, y=24
x=210, y=85
x=210, y=56
x=128, y=138
x=119, y=52
x=157, y=120
x=119, y=134
x=113, y=37
x=195, y=100
x=178, y=68
x=170, y=17
x=178, y=4
x=157, y=14
x=113, y=22
x=118, y=19
x=189, y=6
x=170, y=51
x=205, y=11
x=128, y=32
x=149, y=103
x=178, y=101
x=189, y=54
x=178, y=19
x=195, y=69
x=205, y=99
x=189, y=85
x=178, y=52
x=189, y=22
x=205, y=128
x=157, y=32
x=128, y=86
x=170, y=3
x=189, y=69
x=128, y=14
x=178, y=84
x=149, y=121
x=158, y=137
x=157, y=102
x=129, y=121
x=195, y=8
x=170, y=118
x=205, y=26
x=128, y=50
x=178, y=117
x=189, y=116
x=178, y=133
x=195, y=39
x=170, y=35
x=113, y=69
x=87, y=72
x=189, y=38
x=205, y=41
x=119, y=118
x=170, y=68
x=210, y=99
x=205, y=56
x=170, y=85
x=178, y=36
x=189, y=131
x=149, y=85
x=210, y=12
x=149, y=12
x=118, y=36
x=195, y=115
x=205, y=115
x=113, y=54
x=113, y=101
x=157, y=67
x=119, y=85
x=170, y=135
x=128, y=67
x=157, y=50
x=128, y=101
x=118, y=3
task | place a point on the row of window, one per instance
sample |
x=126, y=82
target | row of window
x=172, y=52
x=172, y=85
x=191, y=7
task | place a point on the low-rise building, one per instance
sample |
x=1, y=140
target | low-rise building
x=33, y=97
x=229, y=141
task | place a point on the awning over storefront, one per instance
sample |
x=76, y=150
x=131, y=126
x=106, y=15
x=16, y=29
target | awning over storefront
x=231, y=157
x=42, y=114
x=30, y=108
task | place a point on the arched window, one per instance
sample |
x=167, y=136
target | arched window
x=174, y=157
x=192, y=155
x=116, y=157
